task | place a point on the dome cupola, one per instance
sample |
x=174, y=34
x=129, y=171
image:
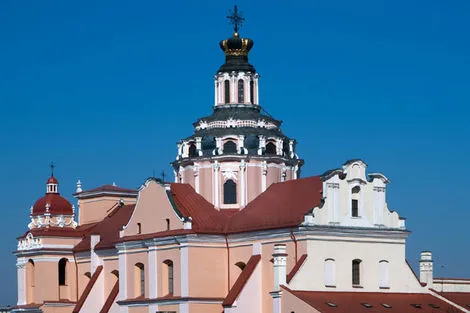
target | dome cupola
x=236, y=48
x=52, y=209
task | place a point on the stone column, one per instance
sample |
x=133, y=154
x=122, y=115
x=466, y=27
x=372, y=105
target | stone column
x=21, y=276
x=426, y=268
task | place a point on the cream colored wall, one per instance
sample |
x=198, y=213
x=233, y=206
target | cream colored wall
x=373, y=209
x=93, y=210
x=152, y=209
x=343, y=250
x=203, y=282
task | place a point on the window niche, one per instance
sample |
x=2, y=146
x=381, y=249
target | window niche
x=167, y=278
x=230, y=192
x=241, y=91
x=230, y=147
x=139, y=280
x=227, y=91
x=356, y=272
x=62, y=272
x=270, y=149
x=355, y=194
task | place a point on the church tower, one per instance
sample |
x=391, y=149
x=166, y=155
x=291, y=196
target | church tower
x=237, y=151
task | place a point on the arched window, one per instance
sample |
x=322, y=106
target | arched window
x=227, y=91
x=356, y=272
x=88, y=275
x=241, y=91
x=115, y=273
x=383, y=274
x=355, y=201
x=192, y=152
x=30, y=281
x=230, y=192
x=230, y=147
x=62, y=272
x=139, y=280
x=241, y=265
x=167, y=224
x=330, y=273
x=252, y=92
x=167, y=277
x=139, y=228
x=271, y=148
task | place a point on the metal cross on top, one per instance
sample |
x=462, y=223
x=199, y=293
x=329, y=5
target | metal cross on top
x=236, y=18
x=52, y=168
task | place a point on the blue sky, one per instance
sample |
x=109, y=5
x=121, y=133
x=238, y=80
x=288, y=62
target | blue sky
x=105, y=89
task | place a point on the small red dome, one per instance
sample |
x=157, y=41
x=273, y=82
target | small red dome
x=57, y=205
x=52, y=180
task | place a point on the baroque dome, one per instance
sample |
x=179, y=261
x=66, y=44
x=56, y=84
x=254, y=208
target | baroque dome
x=52, y=203
x=57, y=205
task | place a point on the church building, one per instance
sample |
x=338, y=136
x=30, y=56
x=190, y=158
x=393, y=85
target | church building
x=238, y=231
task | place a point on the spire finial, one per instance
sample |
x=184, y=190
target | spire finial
x=236, y=19
x=52, y=168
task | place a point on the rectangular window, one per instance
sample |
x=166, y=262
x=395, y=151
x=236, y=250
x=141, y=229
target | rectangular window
x=355, y=208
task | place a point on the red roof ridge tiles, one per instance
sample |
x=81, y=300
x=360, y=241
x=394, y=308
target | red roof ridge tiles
x=353, y=301
x=241, y=280
x=87, y=289
x=296, y=267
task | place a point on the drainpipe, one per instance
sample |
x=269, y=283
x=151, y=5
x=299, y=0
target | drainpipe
x=228, y=264
x=295, y=242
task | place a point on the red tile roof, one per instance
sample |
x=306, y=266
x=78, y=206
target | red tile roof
x=110, y=188
x=282, y=205
x=87, y=289
x=241, y=280
x=57, y=205
x=110, y=300
x=461, y=298
x=296, y=267
x=355, y=302
x=108, y=229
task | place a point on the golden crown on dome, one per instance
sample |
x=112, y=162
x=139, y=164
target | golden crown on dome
x=236, y=45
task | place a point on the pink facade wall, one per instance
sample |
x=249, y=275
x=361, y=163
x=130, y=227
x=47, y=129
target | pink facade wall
x=151, y=217
x=205, y=182
x=205, y=308
x=254, y=182
x=174, y=256
x=210, y=261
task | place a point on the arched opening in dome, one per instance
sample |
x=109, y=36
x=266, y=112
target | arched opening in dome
x=63, y=272
x=227, y=91
x=230, y=147
x=241, y=91
x=252, y=92
x=192, y=151
x=270, y=148
x=230, y=192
